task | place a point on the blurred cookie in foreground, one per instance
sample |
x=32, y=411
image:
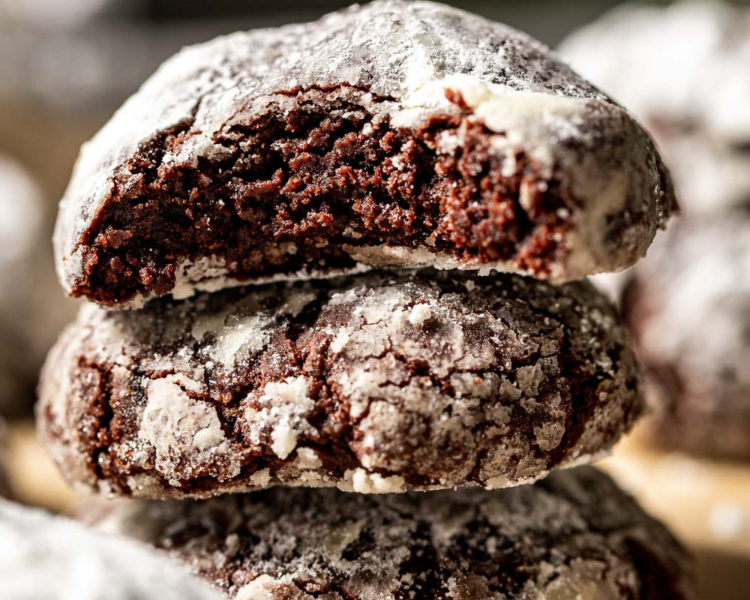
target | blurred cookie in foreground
x=688, y=309
x=384, y=382
x=682, y=70
x=50, y=558
x=571, y=535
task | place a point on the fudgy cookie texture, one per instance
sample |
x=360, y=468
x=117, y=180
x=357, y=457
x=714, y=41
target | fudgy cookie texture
x=380, y=383
x=398, y=133
x=688, y=308
x=50, y=558
x=574, y=535
x=683, y=71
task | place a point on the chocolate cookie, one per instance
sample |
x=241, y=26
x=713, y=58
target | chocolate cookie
x=380, y=383
x=688, y=307
x=683, y=71
x=398, y=133
x=572, y=535
x=50, y=558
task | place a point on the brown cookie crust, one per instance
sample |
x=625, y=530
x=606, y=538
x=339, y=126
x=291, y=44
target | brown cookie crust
x=379, y=383
x=573, y=535
x=449, y=140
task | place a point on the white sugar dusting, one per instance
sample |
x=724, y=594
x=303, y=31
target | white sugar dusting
x=420, y=314
x=177, y=426
x=284, y=407
x=340, y=341
x=232, y=334
x=362, y=482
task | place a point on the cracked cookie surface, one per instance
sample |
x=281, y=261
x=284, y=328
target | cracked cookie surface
x=398, y=133
x=574, y=535
x=380, y=383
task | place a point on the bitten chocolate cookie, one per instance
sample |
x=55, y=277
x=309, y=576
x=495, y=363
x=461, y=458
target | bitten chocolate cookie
x=50, y=558
x=394, y=134
x=688, y=307
x=380, y=383
x=683, y=70
x=573, y=535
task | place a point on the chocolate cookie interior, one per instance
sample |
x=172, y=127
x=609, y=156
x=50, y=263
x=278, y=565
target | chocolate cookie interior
x=311, y=176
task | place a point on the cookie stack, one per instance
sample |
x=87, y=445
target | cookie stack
x=471, y=174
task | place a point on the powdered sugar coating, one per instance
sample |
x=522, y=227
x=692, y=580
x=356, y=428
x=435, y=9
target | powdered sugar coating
x=399, y=60
x=573, y=536
x=687, y=306
x=48, y=557
x=380, y=383
x=683, y=71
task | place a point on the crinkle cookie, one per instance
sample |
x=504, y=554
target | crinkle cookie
x=380, y=383
x=393, y=134
x=683, y=70
x=688, y=308
x=574, y=535
x=49, y=558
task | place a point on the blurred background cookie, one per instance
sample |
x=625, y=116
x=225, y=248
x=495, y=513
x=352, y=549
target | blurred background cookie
x=683, y=70
x=32, y=308
x=688, y=308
